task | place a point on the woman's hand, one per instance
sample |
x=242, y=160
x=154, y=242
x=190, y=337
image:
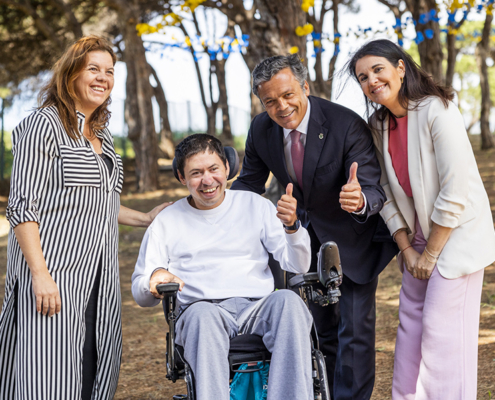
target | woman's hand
x=411, y=258
x=130, y=217
x=45, y=289
x=153, y=213
x=424, y=268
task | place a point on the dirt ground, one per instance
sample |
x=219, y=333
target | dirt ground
x=143, y=369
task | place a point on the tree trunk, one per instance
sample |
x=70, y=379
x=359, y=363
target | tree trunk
x=256, y=106
x=318, y=86
x=166, y=143
x=138, y=107
x=452, y=50
x=333, y=60
x=226, y=136
x=211, y=110
x=211, y=118
x=482, y=52
x=451, y=58
x=395, y=7
x=273, y=34
x=430, y=50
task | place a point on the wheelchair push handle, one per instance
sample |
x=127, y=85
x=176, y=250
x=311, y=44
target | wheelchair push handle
x=167, y=289
x=329, y=267
x=329, y=273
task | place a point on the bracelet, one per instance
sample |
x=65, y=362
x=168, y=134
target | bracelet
x=427, y=259
x=396, y=232
x=406, y=248
x=435, y=257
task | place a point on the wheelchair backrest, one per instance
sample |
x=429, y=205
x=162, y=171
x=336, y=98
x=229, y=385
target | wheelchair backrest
x=279, y=275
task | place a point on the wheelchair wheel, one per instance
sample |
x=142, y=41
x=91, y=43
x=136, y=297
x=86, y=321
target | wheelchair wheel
x=188, y=377
x=322, y=391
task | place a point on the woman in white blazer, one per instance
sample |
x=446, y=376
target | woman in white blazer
x=438, y=212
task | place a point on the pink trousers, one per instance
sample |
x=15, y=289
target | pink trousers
x=436, y=353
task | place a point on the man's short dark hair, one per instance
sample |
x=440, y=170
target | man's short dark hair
x=271, y=66
x=198, y=143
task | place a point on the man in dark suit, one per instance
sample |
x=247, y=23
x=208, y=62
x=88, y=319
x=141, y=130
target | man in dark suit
x=326, y=151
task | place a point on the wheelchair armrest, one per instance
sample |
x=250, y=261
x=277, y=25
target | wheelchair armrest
x=168, y=289
x=303, y=279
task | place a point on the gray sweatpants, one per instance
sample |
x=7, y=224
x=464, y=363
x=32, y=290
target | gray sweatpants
x=283, y=321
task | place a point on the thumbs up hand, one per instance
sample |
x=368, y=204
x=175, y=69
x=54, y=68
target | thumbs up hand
x=351, y=198
x=286, y=207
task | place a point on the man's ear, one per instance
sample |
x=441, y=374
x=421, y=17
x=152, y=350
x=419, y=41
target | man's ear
x=227, y=166
x=306, y=88
x=181, y=178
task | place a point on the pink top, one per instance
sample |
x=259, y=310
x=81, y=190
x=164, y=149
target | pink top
x=397, y=148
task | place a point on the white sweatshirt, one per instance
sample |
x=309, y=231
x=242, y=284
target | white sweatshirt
x=219, y=253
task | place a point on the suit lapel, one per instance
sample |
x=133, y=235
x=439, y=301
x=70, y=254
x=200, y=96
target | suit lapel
x=315, y=140
x=415, y=171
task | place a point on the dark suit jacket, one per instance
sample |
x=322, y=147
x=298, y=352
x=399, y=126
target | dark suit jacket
x=336, y=138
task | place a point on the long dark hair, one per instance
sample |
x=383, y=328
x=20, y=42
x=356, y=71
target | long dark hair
x=59, y=91
x=417, y=85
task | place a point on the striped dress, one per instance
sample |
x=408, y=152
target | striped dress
x=66, y=188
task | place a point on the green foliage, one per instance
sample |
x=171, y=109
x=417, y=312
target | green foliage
x=240, y=142
x=8, y=157
x=33, y=33
x=123, y=147
x=469, y=32
x=414, y=52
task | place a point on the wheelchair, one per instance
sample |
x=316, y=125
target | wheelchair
x=248, y=348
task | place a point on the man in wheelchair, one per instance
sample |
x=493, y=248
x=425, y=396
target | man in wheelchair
x=215, y=244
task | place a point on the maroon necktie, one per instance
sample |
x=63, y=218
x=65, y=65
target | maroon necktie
x=297, y=154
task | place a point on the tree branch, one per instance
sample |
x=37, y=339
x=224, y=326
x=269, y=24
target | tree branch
x=66, y=9
x=40, y=23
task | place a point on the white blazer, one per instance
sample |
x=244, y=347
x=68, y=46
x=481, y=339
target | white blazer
x=446, y=185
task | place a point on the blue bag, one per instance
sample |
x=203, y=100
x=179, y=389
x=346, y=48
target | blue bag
x=250, y=385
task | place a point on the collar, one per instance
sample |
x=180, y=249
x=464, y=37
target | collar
x=303, y=126
x=80, y=115
x=223, y=206
x=81, y=118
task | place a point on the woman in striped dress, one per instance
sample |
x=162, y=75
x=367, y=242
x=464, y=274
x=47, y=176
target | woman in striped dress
x=60, y=327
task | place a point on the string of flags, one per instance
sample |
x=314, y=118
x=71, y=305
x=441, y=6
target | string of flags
x=454, y=9
x=212, y=48
x=224, y=46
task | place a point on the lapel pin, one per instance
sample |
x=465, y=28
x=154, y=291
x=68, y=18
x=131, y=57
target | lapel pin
x=320, y=135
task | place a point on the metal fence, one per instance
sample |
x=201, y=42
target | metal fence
x=185, y=117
